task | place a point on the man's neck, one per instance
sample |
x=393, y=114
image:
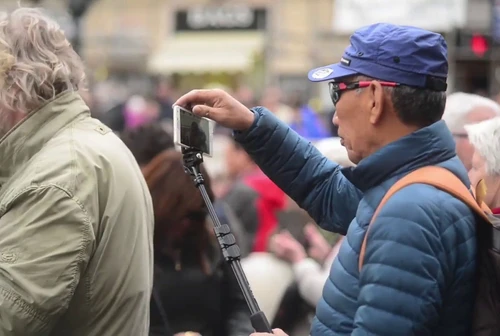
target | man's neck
x=392, y=134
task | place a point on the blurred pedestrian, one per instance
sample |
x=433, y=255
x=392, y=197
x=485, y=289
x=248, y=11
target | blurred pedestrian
x=255, y=199
x=272, y=98
x=485, y=172
x=195, y=286
x=147, y=141
x=165, y=96
x=306, y=122
x=465, y=108
x=312, y=267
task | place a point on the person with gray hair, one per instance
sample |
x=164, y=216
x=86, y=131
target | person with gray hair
x=76, y=217
x=465, y=108
x=485, y=139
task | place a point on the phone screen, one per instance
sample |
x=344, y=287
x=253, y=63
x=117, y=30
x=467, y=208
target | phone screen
x=192, y=131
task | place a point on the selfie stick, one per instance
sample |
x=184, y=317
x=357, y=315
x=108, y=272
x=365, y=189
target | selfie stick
x=231, y=251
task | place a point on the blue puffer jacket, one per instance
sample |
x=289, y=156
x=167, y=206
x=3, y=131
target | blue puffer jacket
x=419, y=267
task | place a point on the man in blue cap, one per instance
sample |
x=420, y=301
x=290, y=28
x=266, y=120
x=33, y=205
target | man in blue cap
x=418, y=274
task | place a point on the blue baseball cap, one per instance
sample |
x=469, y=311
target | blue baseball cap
x=402, y=54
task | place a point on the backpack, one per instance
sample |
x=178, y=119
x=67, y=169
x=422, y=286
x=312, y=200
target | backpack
x=486, y=319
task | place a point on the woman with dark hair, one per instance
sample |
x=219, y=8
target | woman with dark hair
x=147, y=141
x=195, y=287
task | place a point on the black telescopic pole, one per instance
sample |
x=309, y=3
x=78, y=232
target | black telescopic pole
x=230, y=250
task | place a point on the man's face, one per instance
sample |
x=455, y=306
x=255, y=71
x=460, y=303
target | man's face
x=464, y=149
x=352, y=119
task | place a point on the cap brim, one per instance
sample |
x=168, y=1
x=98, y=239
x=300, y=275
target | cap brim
x=329, y=73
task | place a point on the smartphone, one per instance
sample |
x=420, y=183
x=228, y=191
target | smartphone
x=191, y=131
x=294, y=221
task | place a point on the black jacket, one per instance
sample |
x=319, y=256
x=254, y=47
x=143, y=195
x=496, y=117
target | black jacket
x=211, y=305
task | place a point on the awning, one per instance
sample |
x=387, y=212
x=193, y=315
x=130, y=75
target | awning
x=207, y=52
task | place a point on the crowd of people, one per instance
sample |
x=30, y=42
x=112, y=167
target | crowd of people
x=137, y=108
x=102, y=232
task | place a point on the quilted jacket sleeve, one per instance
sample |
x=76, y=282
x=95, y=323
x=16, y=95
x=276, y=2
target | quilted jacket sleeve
x=404, y=268
x=299, y=169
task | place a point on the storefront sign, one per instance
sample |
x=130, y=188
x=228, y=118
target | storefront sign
x=220, y=18
x=436, y=15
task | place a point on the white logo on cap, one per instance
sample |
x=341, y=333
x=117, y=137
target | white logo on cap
x=322, y=73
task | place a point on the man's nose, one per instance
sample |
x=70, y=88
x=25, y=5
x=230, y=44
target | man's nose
x=335, y=119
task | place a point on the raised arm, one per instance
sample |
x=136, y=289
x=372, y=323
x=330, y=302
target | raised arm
x=299, y=169
x=293, y=163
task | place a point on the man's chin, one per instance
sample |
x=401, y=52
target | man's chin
x=353, y=156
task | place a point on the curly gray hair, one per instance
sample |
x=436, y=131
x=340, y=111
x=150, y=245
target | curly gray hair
x=37, y=62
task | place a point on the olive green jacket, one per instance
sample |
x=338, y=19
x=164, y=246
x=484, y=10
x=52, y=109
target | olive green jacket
x=76, y=228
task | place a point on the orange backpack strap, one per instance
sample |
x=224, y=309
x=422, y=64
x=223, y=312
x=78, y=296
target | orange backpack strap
x=438, y=177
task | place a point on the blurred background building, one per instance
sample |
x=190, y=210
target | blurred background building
x=198, y=42
x=259, y=44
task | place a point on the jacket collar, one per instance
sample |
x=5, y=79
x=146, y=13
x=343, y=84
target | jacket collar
x=428, y=146
x=23, y=141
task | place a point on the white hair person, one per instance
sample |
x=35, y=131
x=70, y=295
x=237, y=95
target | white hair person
x=459, y=105
x=37, y=63
x=464, y=108
x=485, y=139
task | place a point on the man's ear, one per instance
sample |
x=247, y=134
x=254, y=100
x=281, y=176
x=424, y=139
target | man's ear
x=376, y=101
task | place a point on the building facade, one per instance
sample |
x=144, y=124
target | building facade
x=276, y=42
x=257, y=41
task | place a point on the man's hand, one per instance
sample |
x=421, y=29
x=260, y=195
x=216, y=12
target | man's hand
x=219, y=106
x=287, y=248
x=276, y=332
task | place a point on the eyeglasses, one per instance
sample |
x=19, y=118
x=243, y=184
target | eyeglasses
x=337, y=88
